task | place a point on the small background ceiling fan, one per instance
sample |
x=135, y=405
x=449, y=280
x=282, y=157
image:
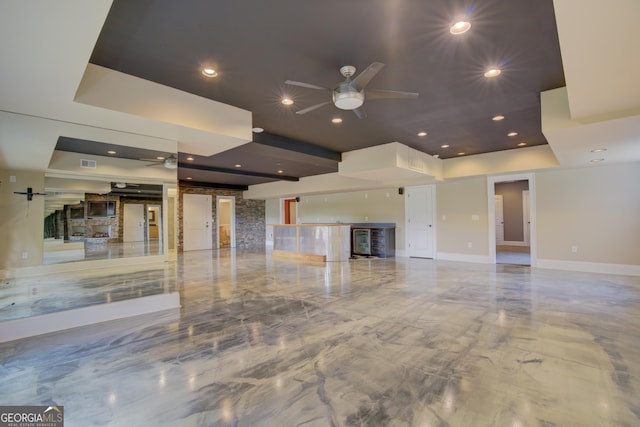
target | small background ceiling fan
x=170, y=162
x=350, y=94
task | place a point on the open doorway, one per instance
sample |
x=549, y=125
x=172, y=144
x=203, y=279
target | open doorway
x=511, y=216
x=290, y=213
x=225, y=221
x=154, y=222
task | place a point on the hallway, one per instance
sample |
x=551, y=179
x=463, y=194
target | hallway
x=402, y=342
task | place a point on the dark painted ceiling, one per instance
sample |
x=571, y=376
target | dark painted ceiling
x=257, y=46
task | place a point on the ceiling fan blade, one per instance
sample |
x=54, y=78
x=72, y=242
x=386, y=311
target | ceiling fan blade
x=313, y=107
x=363, y=79
x=307, y=85
x=360, y=112
x=389, y=94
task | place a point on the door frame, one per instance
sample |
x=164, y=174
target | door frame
x=491, y=214
x=232, y=218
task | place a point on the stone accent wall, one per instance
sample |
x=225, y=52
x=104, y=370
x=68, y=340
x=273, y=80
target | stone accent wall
x=92, y=224
x=250, y=216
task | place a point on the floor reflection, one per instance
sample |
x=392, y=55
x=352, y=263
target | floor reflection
x=56, y=251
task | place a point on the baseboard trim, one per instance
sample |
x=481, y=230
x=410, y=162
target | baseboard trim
x=589, y=267
x=478, y=259
x=508, y=243
x=37, y=325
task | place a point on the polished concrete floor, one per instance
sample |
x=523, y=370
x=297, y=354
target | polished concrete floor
x=369, y=342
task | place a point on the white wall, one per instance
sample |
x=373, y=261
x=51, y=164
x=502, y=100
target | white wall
x=272, y=216
x=384, y=205
x=595, y=209
x=462, y=219
x=21, y=221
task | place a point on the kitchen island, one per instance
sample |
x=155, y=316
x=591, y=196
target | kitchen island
x=312, y=242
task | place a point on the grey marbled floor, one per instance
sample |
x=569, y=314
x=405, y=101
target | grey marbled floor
x=382, y=342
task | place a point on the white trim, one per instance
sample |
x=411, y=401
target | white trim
x=507, y=243
x=590, y=267
x=491, y=214
x=478, y=259
x=37, y=325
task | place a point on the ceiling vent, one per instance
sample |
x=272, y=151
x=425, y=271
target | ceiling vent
x=90, y=164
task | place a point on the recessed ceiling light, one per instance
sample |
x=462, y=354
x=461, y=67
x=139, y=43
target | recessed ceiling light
x=598, y=150
x=238, y=165
x=190, y=159
x=497, y=118
x=461, y=153
x=436, y=156
x=336, y=120
x=460, y=27
x=209, y=72
x=287, y=101
x=189, y=178
x=522, y=144
x=111, y=152
x=512, y=134
x=492, y=72
x=257, y=130
x=421, y=134
x=160, y=158
x=445, y=146
x=597, y=160
x=280, y=171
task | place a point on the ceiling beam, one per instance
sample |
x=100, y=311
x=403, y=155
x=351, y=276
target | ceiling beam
x=213, y=185
x=284, y=143
x=182, y=165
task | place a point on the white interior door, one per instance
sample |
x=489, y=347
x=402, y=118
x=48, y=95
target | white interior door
x=526, y=216
x=499, y=203
x=196, y=222
x=420, y=204
x=133, y=230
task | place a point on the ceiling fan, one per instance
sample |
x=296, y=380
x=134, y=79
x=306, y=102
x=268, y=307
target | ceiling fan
x=122, y=185
x=350, y=94
x=170, y=162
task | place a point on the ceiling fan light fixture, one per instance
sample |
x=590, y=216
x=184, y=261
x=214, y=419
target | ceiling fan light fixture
x=349, y=100
x=287, y=101
x=170, y=163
